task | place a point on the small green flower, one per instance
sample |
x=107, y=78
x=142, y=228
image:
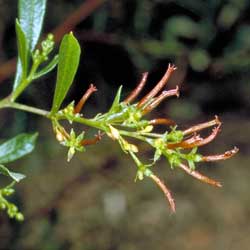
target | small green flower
x=192, y=158
x=175, y=135
x=74, y=143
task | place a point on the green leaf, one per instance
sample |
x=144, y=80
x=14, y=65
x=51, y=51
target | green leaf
x=17, y=147
x=116, y=101
x=47, y=68
x=228, y=16
x=199, y=59
x=15, y=176
x=31, y=14
x=69, y=56
x=23, y=48
x=181, y=26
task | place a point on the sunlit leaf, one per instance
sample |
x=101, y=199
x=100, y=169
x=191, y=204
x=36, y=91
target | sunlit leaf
x=69, y=56
x=17, y=147
x=31, y=15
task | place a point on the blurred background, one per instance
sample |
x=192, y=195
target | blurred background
x=93, y=202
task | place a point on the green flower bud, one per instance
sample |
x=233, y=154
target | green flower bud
x=19, y=217
x=8, y=191
x=2, y=206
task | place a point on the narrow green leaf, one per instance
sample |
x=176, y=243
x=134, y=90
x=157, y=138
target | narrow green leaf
x=15, y=176
x=23, y=48
x=17, y=147
x=52, y=64
x=31, y=15
x=69, y=56
x=116, y=101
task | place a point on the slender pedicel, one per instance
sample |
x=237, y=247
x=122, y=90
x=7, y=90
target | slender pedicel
x=84, y=98
x=158, y=87
x=138, y=89
x=226, y=155
x=199, y=176
x=165, y=190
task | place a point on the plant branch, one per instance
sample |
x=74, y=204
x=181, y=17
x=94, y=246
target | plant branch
x=27, y=108
x=83, y=11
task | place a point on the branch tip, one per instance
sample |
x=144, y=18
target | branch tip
x=159, y=86
x=200, y=176
x=157, y=100
x=92, y=88
x=202, y=126
x=228, y=154
x=165, y=190
x=138, y=88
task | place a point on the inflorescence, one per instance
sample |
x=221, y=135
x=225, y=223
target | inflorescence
x=126, y=119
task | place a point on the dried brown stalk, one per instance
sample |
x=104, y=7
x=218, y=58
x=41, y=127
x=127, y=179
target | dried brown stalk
x=138, y=89
x=199, y=176
x=159, y=86
x=165, y=190
x=195, y=141
x=160, y=98
x=84, y=98
x=202, y=126
x=226, y=155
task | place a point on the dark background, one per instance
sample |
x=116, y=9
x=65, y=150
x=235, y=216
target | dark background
x=93, y=202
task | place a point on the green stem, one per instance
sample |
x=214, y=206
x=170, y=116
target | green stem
x=152, y=135
x=25, y=83
x=98, y=124
x=132, y=134
x=19, y=89
x=29, y=109
x=90, y=122
x=6, y=103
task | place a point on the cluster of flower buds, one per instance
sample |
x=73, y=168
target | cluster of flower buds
x=47, y=46
x=126, y=119
x=11, y=208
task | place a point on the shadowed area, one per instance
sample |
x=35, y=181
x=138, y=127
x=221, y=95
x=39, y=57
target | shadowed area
x=93, y=202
